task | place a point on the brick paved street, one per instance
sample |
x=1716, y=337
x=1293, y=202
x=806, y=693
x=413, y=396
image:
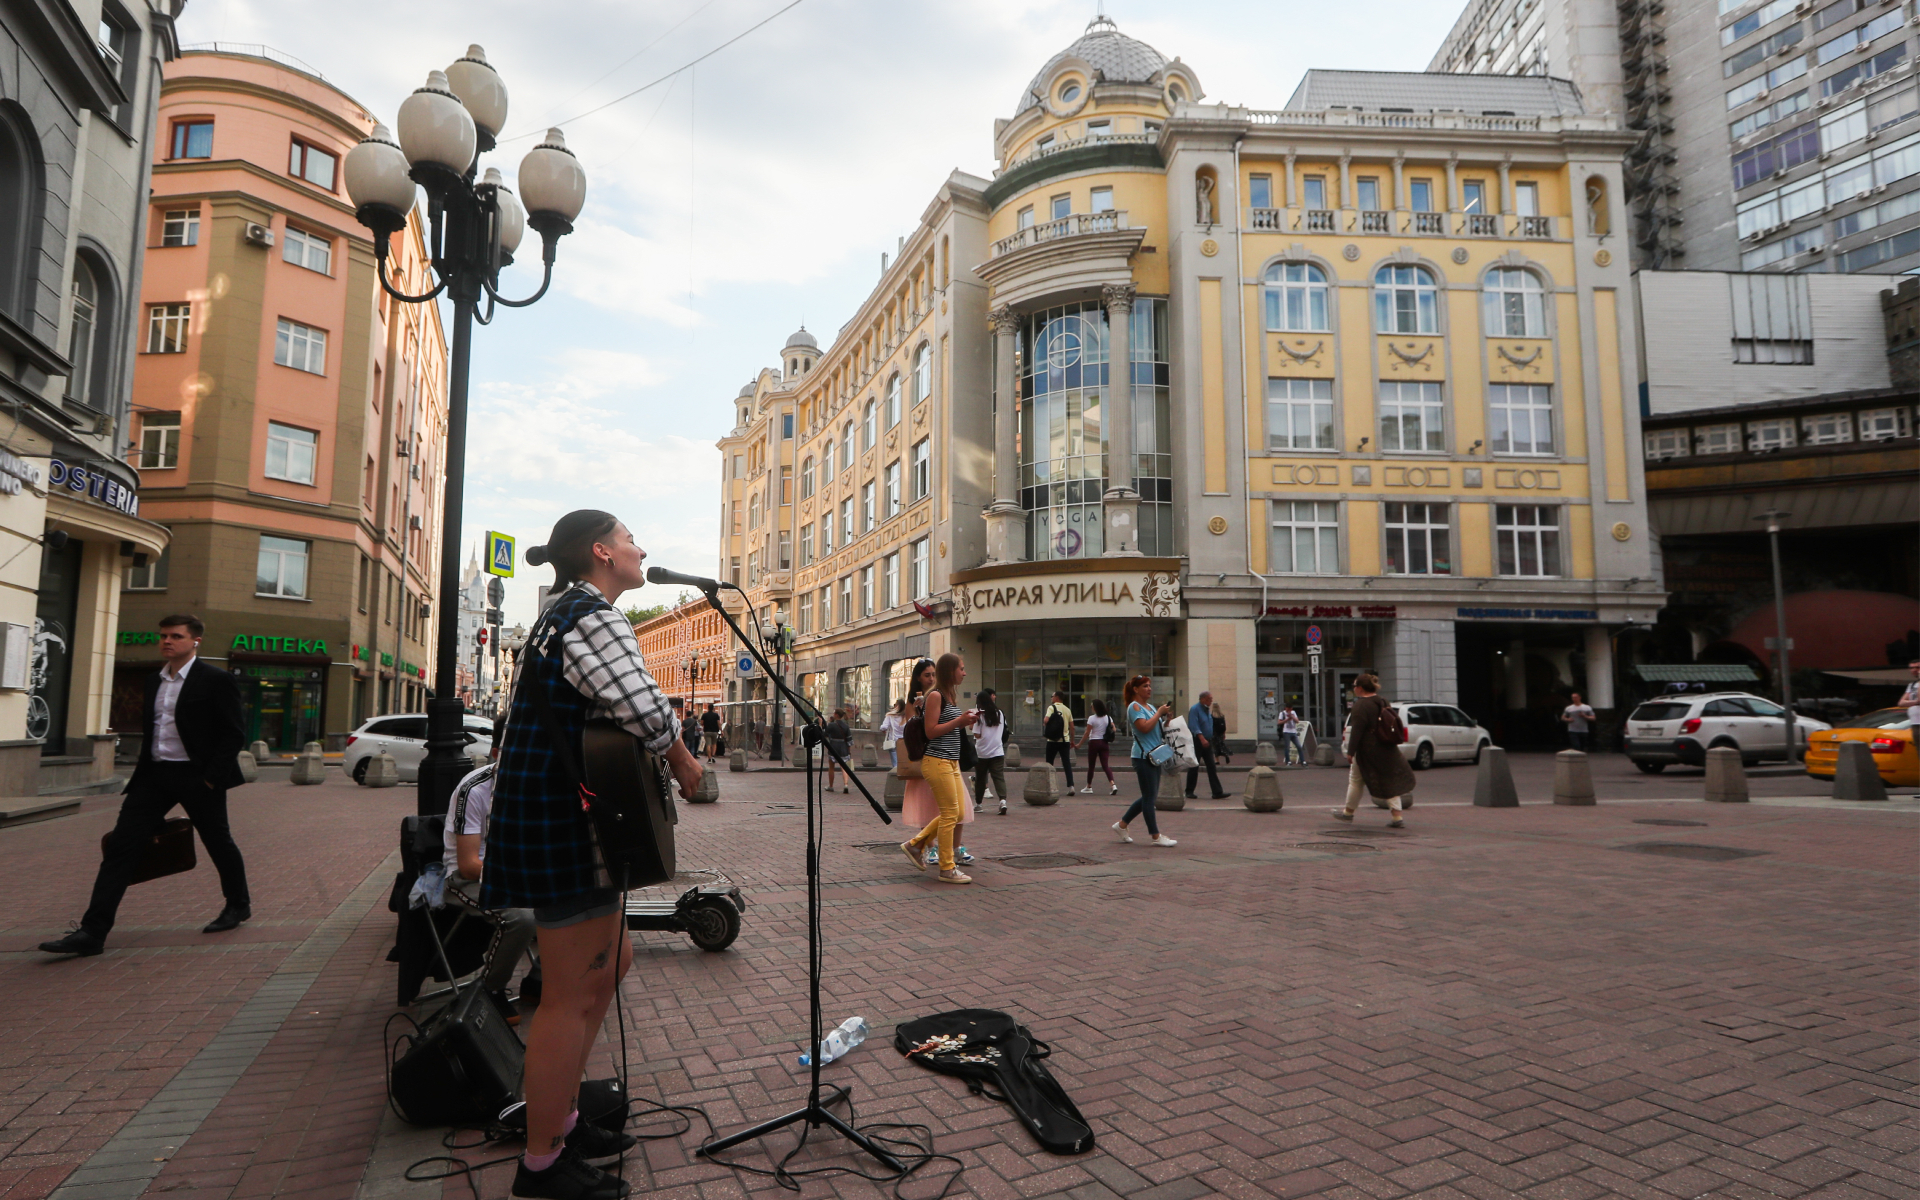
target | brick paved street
x=1490, y=1003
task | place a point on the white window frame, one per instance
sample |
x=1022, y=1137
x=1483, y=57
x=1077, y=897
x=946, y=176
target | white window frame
x=1776, y=433
x=159, y=441
x=167, y=326
x=1413, y=527
x=803, y=620
x=1724, y=438
x=846, y=523
x=300, y=347
x=1425, y=402
x=1524, y=532
x=1882, y=424
x=1514, y=303
x=826, y=462
x=919, y=583
x=922, y=372
x=1662, y=444
x=1319, y=522
x=846, y=599
x=920, y=476
x=806, y=477
x=1397, y=281
x=867, y=507
x=180, y=227
x=1297, y=298
x=826, y=535
x=866, y=590
x=293, y=453
x=806, y=544
x=890, y=581
x=1514, y=408
x=280, y=552
x=308, y=250
x=1526, y=199
x=893, y=400
x=890, y=490
x=1289, y=401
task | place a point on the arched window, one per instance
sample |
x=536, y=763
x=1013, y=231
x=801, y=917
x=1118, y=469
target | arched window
x=826, y=462
x=84, y=339
x=1297, y=297
x=806, y=477
x=869, y=430
x=893, y=400
x=1405, y=300
x=20, y=192
x=922, y=373
x=1514, y=303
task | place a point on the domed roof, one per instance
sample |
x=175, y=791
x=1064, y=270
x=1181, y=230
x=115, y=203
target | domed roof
x=747, y=391
x=801, y=339
x=1118, y=58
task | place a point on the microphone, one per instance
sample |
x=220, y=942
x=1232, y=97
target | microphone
x=662, y=575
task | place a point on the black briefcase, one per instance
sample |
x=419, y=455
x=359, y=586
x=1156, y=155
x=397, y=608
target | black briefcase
x=461, y=1068
x=169, y=853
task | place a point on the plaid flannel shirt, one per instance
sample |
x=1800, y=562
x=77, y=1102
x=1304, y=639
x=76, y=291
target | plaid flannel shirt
x=602, y=661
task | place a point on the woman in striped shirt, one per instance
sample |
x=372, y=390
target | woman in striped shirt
x=941, y=766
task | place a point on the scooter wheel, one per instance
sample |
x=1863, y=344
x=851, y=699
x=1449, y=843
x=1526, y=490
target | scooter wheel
x=713, y=924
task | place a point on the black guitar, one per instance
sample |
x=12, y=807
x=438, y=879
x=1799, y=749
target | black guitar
x=630, y=803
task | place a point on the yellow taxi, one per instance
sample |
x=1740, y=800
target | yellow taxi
x=1887, y=732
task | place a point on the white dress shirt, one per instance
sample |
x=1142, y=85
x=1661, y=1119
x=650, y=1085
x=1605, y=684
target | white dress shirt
x=167, y=746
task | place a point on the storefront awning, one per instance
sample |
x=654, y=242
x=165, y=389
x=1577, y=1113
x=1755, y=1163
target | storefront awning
x=1696, y=673
x=1893, y=675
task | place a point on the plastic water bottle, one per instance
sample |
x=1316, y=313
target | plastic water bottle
x=842, y=1038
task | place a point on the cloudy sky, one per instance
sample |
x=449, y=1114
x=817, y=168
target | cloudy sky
x=740, y=198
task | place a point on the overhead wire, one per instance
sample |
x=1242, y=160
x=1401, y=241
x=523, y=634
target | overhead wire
x=629, y=58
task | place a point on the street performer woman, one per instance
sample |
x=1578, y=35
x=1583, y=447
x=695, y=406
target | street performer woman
x=583, y=658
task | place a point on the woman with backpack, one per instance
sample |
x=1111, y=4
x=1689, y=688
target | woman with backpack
x=1374, y=735
x=1099, y=740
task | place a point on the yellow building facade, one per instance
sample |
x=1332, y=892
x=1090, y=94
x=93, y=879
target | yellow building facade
x=1371, y=410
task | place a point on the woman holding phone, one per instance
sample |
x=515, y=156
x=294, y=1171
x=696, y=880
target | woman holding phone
x=1145, y=720
x=941, y=766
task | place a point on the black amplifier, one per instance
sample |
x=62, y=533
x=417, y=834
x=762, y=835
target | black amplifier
x=462, y=1067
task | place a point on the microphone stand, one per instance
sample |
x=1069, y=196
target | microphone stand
x=815, y=1112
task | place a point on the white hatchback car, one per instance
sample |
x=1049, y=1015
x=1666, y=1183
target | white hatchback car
x=1682, y=728
x=404, y=736
x=1440, y=733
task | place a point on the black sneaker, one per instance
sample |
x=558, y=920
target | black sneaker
x=591, y=1141
x=569, y=1178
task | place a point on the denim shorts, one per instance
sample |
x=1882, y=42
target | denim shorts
x=587, y=906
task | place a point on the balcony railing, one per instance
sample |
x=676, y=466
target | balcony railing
x=1267, y=218
x=1060, y=147
x=1429, y=222
x=1386, y=221
x=1076, y=225
x=1320, y=220
x=1482, y=225
x=1536, y=227
x=1375, y=221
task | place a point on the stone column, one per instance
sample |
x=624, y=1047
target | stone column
x=1506, y=185
x=1292, y=159
x=1006, y=523
x=1400, y=200
x=1599, y=667
x=1346, y=180
x=1453, y=183
x=1122, y=502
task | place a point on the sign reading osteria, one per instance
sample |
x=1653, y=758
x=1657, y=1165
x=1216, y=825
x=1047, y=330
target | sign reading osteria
x=1075, y=596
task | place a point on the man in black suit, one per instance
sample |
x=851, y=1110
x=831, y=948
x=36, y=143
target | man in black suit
x=194, y=732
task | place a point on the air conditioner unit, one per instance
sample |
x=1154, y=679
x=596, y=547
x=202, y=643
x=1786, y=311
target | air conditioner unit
x=259, y=235
x=413, y=522
x=1816, y=250
x=1823, y=101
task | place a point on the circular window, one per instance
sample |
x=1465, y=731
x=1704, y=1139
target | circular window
x=1176, y=92
x=1069, y=92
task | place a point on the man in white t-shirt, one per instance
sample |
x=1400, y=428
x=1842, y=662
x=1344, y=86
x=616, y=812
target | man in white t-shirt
x=465, y=842
x=1290, y=737
x=1576, y=718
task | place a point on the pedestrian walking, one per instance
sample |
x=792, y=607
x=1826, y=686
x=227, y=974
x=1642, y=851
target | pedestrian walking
x=1910, y=699
x=710, y=731
x=1374, y=736
x=990, y=746
x=1576, y=717
x=1099, y=742
x=891, y=726
x=1220, y=734
x=1290, y=737
x=689, y=733
x=1200, y=725
x=1057, y=728
x=941, y=766
x=1145, y=719
x=840, y=743
x=189, y=757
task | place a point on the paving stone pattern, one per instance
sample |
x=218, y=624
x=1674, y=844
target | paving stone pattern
x=1491, y=1003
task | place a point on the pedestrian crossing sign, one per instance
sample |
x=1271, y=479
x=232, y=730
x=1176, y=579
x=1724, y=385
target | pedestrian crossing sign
x=499, y=555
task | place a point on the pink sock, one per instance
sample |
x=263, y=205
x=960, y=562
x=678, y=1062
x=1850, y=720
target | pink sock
x=540, y=1162
x=573, y=1118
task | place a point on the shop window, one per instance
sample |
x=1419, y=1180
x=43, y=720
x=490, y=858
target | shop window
x=167, y=328
x=918, y=583
x=159, y=441
x=921, y=479
x=192, y=139
x=150, y=576
x=311, y=163
x=291, y=452
x=1418, y=539
x=282, y=569
x=856, y=695
x=301, y=347
x=1522, y=418
x=1305, y=537
x=180, y=227
x=1527, y=539
x=1412, y=418
x=308, y=250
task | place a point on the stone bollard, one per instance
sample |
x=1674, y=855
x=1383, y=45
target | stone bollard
x=895, y=797
x=1265, y=755
x=381, y=771
x=1726, y=776
x=1013, y=757
x=313, y=748
x=1493, y=786
x=249, y=766
x=1043, y=786
x=1173, y=790
x=310, y=768
x=737, y=759
x=709, y=790
x=1856, y=776
x=869, y=757
x=260, y=751
x=1572, y=778
x=1323, y=754
x=1263, y=789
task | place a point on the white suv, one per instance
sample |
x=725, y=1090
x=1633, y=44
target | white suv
x=404, y=736
x=1682, y=728
x=1440, y=733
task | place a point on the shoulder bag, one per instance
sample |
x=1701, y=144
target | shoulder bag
x=914, y=740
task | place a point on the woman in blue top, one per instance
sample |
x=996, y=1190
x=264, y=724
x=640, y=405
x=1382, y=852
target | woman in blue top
x=1145, y=720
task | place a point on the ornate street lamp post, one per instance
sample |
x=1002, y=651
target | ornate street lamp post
x=475, y=227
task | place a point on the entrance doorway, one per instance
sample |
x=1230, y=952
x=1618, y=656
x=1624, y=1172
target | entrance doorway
x=282, y=704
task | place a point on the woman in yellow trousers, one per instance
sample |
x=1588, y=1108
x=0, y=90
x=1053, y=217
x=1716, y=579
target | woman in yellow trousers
x=941, y=766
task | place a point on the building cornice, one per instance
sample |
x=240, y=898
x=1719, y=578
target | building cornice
x=349, y=228
x=180, y=82
x=75, y=61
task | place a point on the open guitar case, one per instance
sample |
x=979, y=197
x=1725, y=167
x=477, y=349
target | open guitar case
x=999, y=1058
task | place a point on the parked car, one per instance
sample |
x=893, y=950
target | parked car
x=404, y=736
x=1681, y=729
x=1888, y=734
x=1440, y=733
